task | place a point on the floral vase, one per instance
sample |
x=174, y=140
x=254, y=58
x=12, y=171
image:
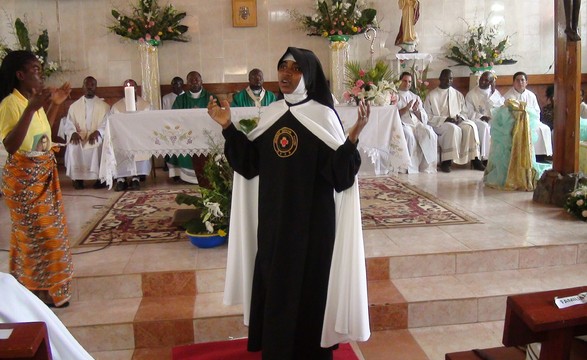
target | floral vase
x=206, y=241
x=339, y=56
x=151, y=92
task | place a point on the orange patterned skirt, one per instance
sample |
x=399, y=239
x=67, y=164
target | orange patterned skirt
x=40, y=257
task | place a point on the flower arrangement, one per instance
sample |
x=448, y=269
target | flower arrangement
x=40, y=48
x=479, y=47
x=336, y=17
x=213, y=201
x=150, y=23
x=373, y=84
x=577, y=203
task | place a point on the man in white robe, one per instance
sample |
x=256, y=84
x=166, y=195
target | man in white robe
x=176, y=90
x=143, y=164
x=480, y=101
x=457, y=136
x=84, y=129
x=421, y=138
x=543, y=145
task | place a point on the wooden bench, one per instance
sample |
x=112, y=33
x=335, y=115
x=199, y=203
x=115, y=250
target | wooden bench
x=27, y=341
x=497, y=353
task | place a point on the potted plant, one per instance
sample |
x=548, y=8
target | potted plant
x=212, y=202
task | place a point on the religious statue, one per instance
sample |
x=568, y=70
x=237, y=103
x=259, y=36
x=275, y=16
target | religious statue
x=407, y=37
x=572, y=8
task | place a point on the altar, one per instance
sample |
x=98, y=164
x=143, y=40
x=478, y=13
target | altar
x=139, y=135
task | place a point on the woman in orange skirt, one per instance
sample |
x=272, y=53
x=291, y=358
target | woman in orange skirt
x=40, y=257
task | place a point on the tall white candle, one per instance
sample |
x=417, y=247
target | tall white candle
x=129, y=98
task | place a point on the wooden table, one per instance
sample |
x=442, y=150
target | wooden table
x=27, y=341
x=535, y=318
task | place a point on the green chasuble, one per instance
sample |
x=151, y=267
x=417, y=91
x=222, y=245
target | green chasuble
x=242, y=99
x=186, y=101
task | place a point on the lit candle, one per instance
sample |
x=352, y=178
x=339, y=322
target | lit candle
x=129, y=98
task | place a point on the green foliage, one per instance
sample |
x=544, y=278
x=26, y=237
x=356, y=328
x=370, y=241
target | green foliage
x=336, y=17
x=214, y=201
x=150, y=23
x=577, y=203
x=39, y=48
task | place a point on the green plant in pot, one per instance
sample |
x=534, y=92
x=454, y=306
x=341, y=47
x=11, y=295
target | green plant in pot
x=212, y=202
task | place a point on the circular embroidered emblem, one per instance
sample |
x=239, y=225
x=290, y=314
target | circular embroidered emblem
x=285, y=142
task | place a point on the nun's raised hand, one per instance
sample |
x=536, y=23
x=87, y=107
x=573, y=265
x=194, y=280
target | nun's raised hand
x=363, y=117
x=220, y=113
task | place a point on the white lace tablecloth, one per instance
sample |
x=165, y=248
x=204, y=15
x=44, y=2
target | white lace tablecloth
x=138, y=135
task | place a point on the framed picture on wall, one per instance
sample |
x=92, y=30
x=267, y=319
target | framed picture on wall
x=244, y=13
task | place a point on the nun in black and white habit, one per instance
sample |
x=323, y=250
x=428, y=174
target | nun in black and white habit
x=295, y=255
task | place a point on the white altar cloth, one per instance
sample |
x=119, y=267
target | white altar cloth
x=188, y=131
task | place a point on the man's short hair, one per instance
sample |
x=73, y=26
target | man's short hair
x=520, y=73
x=404, y=74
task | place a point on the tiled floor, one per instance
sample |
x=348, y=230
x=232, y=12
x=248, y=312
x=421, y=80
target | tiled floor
x=439, y=271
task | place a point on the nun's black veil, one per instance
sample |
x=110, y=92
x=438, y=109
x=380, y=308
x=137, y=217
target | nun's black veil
x=314, y=77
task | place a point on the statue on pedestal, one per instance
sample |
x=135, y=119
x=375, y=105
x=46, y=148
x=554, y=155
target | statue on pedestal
x=572, y=8
x=407, y=38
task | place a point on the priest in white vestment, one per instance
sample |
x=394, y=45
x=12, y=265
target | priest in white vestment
x=543, y=145
x=143, y=164
x=84, y=128
x=421, y=139
x=457, y=136
x=176, y=90
x=481, y=101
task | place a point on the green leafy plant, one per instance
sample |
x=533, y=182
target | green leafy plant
x=336, y=17
x=212, y=202
x=150, y=23
x=39, y=48
x=577, y=203
x=369, y=83
x=479, y=46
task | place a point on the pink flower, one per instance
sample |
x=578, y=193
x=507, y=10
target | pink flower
x=342, y=23
x=157, y=38
x=356, y=90
x=148, y=37
x=151, y=23
x=426, y=83
x=141, y=40
x=485, y=65
x=129, y=29
x=339, y=32
x=360, y=83
x=346, y=96
x=332, y=32
x=361, y=73
x=358, y=29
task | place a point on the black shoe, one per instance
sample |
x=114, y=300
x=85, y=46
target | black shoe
x=477, y=165
x=120, y=185
x=135, y=184
x=99, y=185
x=64, y=305
x=78, y=184
x=176, y=179
x=142, y=177
x=445, y=166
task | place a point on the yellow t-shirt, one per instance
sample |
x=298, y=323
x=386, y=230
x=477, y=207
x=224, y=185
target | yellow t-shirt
x=38, y=137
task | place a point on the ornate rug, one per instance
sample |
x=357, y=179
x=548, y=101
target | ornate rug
x=138, y=217
x=387, y=202
x=146, y=216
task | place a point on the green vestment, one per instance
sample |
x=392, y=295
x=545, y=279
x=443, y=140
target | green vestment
x=242, y=99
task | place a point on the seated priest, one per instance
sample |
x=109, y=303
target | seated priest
x=421, y=139
x=176, y=90
x=254, y=94
x=182, y=167
x=143, y=164
x=84, y=128
x=457, y=136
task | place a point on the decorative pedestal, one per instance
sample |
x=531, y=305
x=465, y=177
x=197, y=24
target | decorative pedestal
x=150, y=74
x=409, y=61
x=339, y=56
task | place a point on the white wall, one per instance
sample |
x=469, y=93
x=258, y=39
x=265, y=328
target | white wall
x=222, y=53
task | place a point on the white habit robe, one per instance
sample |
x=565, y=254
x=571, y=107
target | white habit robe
x=421, y=138
x=481, y=103
x=543, y=145
x=82, y=161
x=168, y=100
x=459, y=143
x=18, y=304
x=143, y=164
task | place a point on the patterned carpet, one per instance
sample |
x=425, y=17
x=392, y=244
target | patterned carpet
x=387, y=202
x=146, y=216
